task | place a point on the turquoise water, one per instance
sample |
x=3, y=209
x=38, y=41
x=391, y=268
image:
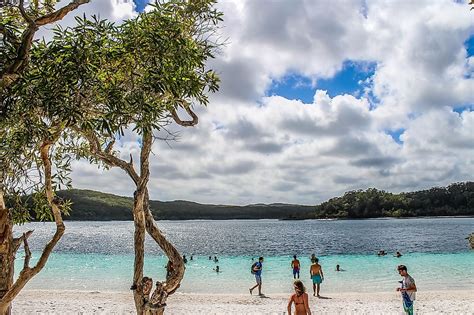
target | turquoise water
x=82, y=263
x=367, y=273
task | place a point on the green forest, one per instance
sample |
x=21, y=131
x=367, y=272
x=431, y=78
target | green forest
x=454, y=200
x=94, y=205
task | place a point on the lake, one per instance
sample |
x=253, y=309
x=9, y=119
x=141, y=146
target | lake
x=99, y=255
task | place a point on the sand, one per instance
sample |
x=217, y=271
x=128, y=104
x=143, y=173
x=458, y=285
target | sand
x=83, y=302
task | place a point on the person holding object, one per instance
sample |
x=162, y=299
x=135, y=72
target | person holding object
x=408, y=289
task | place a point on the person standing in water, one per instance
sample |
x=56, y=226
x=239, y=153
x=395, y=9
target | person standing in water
x=295, y=264
x=300, y=298
x=316, y=272
x=257, y=271
x=408, y=290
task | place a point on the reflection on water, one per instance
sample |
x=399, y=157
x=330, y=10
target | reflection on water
x=268, y=237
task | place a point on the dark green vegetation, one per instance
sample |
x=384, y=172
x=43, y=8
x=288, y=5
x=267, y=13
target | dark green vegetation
x=456, y=199
x=94, y=205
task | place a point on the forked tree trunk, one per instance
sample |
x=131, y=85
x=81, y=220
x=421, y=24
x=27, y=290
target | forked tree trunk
x=173, y=282
x=12, y=289
x=143, y=221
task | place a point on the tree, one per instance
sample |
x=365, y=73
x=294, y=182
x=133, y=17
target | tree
x=29, y=145
x=131, y=78
x=162, y=68
x=18, y=25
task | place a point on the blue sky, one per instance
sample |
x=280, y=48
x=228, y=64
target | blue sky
x=351, y=79
x=141, y=4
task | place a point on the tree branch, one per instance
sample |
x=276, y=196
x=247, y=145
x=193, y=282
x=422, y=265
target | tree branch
x=107, y=157
x=17, y=241
x=27, y=273
x=26, y=263
x=59, y=14
x=27, y=18
x=12, y=72
x=174, y=281
x=185, y=123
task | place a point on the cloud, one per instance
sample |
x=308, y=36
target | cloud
x=250, y=147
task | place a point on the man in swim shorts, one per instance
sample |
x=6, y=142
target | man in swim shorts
x=408, y=290
x=295, y=264
x=316, y=272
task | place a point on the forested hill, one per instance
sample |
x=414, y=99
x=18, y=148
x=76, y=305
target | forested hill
x=94, y=205
x=456, y=199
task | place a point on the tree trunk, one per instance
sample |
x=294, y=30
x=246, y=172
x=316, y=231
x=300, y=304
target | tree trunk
x=174, y=281
x=6, y=253
x=29, y=272
x=139, y=246
x=143, y=219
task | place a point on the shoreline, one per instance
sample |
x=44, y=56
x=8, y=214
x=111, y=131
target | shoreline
x=109, y=302
x=66, y=219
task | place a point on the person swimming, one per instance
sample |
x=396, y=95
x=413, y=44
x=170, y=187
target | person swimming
x=398, y=254
x=216, y=269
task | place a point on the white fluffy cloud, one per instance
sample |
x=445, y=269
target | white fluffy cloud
x=250, y=147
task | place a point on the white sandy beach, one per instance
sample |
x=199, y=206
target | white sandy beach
x=82, y=302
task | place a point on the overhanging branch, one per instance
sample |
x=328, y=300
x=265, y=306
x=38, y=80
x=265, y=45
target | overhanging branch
x=185, y=123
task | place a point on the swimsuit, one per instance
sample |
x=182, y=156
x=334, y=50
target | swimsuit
x=294, y=300
x=317, y=279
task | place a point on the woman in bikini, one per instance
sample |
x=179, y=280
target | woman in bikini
x=300, y=298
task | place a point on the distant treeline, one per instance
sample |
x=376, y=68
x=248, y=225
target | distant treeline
x=456, y=199
x=94, y=205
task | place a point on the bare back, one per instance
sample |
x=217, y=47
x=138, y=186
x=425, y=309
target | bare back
x=315, y=269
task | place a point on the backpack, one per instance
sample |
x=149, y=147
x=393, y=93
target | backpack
x=252, y=271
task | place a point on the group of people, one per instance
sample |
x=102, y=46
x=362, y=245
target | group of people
x=300, y=297
x=170, y=268
x=383, y=253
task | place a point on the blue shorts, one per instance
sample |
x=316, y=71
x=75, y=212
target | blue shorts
x=317, y=279
x=296, y=271
x=258, y=278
